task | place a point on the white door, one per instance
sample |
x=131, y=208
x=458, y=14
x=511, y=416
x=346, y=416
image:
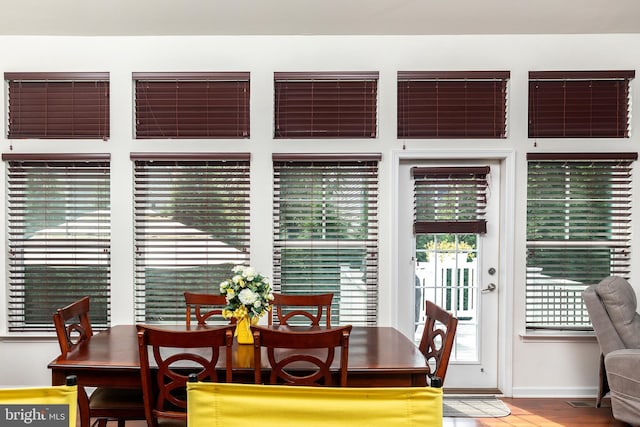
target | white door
x=461, y=273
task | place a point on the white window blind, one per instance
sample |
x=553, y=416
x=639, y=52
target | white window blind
x=578, y=232
x=191, y=227
x=59, y=234
x=326, y=231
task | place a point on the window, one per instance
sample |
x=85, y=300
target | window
x=191, y=227
x=59, y=234
x=579, y=104
x=326, y=105
x=326, y=231
x=58, y=105
x=192, y=105
x=449, y=216
x=578, y=232
x=452, y=104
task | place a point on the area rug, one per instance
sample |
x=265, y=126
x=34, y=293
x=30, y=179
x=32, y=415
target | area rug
x=474, y=407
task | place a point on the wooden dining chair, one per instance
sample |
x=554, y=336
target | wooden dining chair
x=295, y=309
x=176, y=355
x=437, y=339
x=205, y=306
x=314, y=349
x=73, y=326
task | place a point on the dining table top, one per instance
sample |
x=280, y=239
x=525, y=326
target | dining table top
x=378, y=356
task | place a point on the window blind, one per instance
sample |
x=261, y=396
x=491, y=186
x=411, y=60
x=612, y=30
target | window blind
x=450, y=199
x=452, y=104
x=59, y=234
x=58, y=105
x=191, y=227
x=326, y=231
x=326, y=105
x=192, y=105
x=579, y=104
x=578, y=232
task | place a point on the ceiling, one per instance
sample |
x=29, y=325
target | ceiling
x=317, y=17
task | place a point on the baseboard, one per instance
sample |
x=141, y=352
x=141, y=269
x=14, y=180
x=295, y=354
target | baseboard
x=555, y=392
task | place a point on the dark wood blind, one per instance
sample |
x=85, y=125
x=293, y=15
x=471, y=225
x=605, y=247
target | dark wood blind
x=578, y=232
x=579, y=104
x=58, y=105
x=59, y=237
x=192, y=105
x=326, y=231
x=191, y=216
x=326, y=105
x=450, y=199
x=453, y=104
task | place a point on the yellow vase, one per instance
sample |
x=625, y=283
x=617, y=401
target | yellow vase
x=243, y=331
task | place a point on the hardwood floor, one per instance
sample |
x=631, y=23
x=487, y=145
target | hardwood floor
x=543, y=412
x=526, y=413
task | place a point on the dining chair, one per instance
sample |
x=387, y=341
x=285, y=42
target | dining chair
x=205, y=306
x=73, y=326
x=315, y=349
x=300, y=308
x=437, y=339
x=64, y=397
x=175, y=355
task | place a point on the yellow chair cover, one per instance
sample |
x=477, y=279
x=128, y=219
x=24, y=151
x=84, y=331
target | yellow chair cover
x=220, y=404
x=53, y=395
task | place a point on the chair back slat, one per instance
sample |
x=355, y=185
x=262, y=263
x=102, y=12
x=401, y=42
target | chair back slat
x=176, y=355
x=311, y=364
x=293, y=307
x=437, y=339
x=73, y=324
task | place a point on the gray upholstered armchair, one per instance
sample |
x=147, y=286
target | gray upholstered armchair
x=612, y=309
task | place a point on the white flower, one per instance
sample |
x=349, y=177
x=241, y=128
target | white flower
x=247, y=296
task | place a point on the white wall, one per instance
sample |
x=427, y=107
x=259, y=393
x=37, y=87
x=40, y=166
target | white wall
x=534, y=367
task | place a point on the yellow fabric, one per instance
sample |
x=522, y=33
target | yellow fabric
x=54, y=395
x=219, y=404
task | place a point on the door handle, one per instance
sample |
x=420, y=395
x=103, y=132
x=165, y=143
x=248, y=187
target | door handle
x=490, y=288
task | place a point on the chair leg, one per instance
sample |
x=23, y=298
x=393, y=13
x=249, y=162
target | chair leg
x=100, y=422
x=121, y=422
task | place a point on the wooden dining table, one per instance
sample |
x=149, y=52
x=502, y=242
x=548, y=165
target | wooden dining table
x=378, y=357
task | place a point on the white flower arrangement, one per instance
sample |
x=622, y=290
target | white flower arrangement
x=248, y=294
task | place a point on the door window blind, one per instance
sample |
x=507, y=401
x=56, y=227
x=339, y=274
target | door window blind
x=326, y=105
x=326, y=231
x=192, y=105
x=579, y=104
x=58, y=105
x=452, y=104
x=450, y=199
x=191, y=227
x=578, y=232
x=59, y=234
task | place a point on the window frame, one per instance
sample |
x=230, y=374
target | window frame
x=452, y=104
x=325, y=105
x=58, y=105
x=72, y=243
x=186, y=248
x=591, y=224
x=579, y=104
x=360, y=172
x=192, y=105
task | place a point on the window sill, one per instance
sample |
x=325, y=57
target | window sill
x=558, y=336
